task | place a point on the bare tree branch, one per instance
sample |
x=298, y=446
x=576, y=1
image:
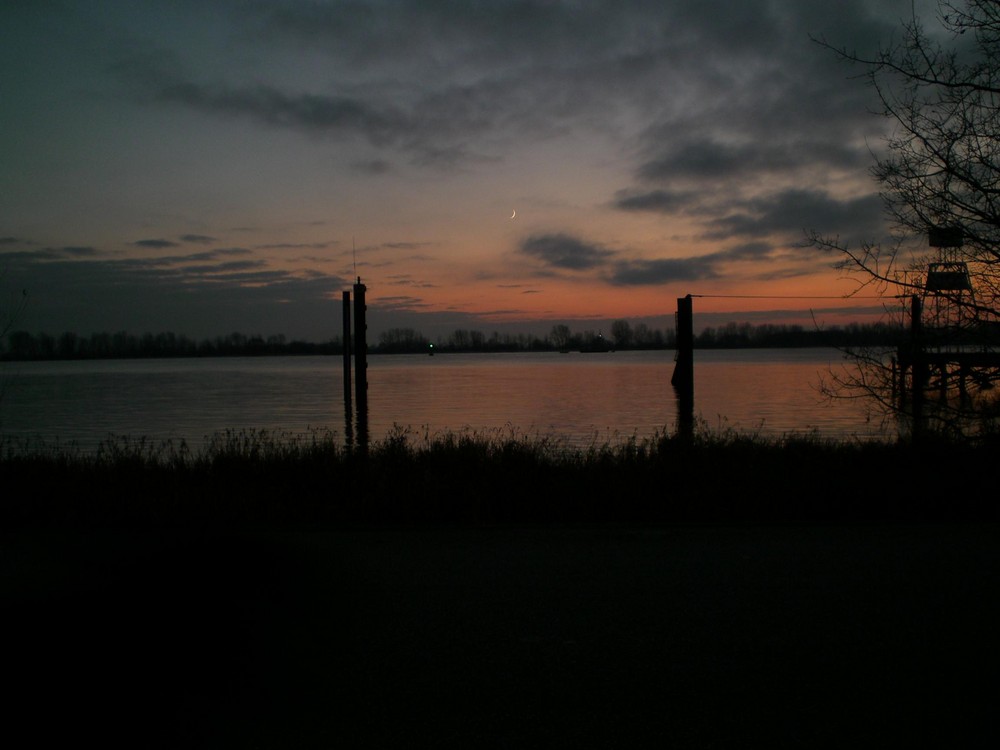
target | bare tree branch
x=940, y=171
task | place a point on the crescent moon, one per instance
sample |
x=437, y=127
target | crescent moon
x=514, y=214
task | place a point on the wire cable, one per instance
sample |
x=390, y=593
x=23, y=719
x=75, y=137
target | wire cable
x=777, y=296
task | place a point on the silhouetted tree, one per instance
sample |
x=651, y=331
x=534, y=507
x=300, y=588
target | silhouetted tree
x=8, y=316
x=644, y=337
x=22, y=345
x=465, y=340
x=621, y=332
x=402, y=341
x=939, y=179
x=12, y=310
x=560, y=336
x=592, y=341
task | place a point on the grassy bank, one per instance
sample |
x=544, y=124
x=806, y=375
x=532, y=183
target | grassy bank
x=501, y=592
x=261, y=478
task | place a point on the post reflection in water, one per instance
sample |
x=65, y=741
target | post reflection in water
x=577, y=398
x=597, y=397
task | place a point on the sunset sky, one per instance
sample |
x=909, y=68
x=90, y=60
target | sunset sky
x=214, y=166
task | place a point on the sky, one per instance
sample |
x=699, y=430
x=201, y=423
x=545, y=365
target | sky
x=220, y=166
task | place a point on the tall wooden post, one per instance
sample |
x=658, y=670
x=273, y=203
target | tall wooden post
x=683, y=377
x=348, y=410
x=361, y=362
x=918, y=367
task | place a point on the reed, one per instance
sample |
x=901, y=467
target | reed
x=269, y=478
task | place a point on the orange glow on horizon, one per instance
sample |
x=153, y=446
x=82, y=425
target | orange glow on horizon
x=792, y=300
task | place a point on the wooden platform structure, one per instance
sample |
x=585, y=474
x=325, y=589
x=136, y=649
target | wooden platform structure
x=947, y=364
x=915, y=364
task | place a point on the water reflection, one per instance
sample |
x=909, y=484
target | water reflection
x=580, y=398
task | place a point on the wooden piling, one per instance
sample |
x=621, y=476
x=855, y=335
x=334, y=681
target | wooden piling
x=683, y=377
x=348, y=408
x=361, y=363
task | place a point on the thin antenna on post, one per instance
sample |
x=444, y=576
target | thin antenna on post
x=354, y=250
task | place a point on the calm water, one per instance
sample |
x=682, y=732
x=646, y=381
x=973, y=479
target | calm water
x=578, y=398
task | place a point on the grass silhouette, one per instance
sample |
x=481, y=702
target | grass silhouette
x=500, y=590
x=263, y=477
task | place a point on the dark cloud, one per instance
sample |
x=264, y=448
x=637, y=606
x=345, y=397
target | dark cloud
x=410, y=282
x=790, y=214
x=155, y=244
x=797, y=212
x=659, y=201
x=399, y=302
x=645, y=272
x=221, y=252
x=314, y=112
x=707, y=158
x=694, y=268
x=755, y=127
x=435, y=130
x=751, y=251
x=405, y=245
x=70, y=251
x=51, y=253
x=450, y=35
x=29, y=256
x=560, y=251
x=432, y=125
x=226, y=268
x=373, y=167
x=565, y=252
x=724, y=114
x=193, y=300
x=710, y=89
x=297, y=246
x=173, y=260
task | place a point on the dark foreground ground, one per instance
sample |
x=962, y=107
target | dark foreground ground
x=804, y=635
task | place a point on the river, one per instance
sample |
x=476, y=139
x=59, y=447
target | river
x=577, y=398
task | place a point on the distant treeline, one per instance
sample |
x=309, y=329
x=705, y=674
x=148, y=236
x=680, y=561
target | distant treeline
x=22, y=345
